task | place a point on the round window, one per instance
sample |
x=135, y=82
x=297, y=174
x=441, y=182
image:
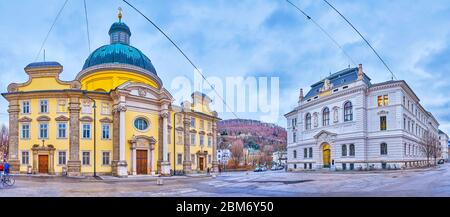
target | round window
x=141, y=124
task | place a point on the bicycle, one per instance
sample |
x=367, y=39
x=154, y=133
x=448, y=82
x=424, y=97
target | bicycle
x=7, y=180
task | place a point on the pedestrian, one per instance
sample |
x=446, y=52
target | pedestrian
x=6, y=168
x=207, y=170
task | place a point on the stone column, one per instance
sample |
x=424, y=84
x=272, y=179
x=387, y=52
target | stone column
x=165, y=165
x=119, y=163
x=74, y=163
x=187, y=164
x=215, y=164
x=13, y=150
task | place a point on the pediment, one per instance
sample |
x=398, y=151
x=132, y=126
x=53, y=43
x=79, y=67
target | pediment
x=25, y=119
x=323, y=134
x=62, y=118
x=86, y=119
x=43, y=118
x=106, y=120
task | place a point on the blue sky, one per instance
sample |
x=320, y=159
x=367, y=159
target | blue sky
x=245, y=38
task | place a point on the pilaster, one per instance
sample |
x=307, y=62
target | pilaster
x=187, y=164
x=13, y=150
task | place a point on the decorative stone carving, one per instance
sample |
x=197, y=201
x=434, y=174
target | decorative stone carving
x=383, y=112
x=165, y=114
x=120, y=108
x=326, y=86
x=316, y=119
x=325, y=136
x=62, y=118
x=106, y=120
x=142, y=92
x=43, y=118
x=86, y=119
x=25, y=119
x=75, y=85
x=13, y=87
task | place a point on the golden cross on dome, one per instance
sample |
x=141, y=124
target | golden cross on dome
x=120, y=14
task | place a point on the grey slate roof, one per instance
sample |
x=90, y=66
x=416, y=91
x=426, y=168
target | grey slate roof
x=338, y=79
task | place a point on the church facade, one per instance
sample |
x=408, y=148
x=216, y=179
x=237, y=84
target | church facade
x=347, y=123
x=115, y=118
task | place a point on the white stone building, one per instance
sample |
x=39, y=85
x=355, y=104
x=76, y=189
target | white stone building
x=443, y=139
x=279, y=157
x=346, y=122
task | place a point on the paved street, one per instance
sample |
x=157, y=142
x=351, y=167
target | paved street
x=429, y=182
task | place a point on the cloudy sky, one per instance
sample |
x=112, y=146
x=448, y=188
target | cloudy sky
x=244, y=38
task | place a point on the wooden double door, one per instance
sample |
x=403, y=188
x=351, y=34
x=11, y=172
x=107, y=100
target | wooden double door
x=141, y=161
x=43, y=164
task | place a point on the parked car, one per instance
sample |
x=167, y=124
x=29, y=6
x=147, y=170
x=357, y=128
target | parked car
x=441, y=161
x=260, y=169
x=277, y=167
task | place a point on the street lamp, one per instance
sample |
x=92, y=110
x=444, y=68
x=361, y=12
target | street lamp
x=95, y=130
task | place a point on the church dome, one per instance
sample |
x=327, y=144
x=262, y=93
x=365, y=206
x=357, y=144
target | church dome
x=119, y=51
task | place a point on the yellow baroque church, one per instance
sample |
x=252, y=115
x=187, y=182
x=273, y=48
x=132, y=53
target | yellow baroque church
x=114, y=118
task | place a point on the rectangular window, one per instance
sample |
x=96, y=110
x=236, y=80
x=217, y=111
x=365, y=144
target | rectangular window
x=25, y=131
x=383, y=149
x=294, y=137
x=43, y=106
x=105, y=108
x=351, y=150
x=179, y=159
x=62, y=105
x=305, y=153
x=385, y=100
x=209, y=126
x=295, y=153
x=310, y=152
x=26, y=107
x=86, y=158
x=202, y=140
x=202, y=124
x=383, y=123
x=105, y=131
x=380, y=101
x=62, y=130
x=86, y=131
x=209, y=158
x=193, y=122
x=25, y=157
x=106, y=158
x=43, y=131
x=62, y=158
x=192, y=138
x=209, y=141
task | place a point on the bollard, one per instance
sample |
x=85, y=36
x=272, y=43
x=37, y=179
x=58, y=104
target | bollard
x=214, y=175
x=159, y=181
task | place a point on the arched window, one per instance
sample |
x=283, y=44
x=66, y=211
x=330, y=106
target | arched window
x=383, y=149
x=308, y=121
x=351, y=150
x=295, y=153
x=348, y=111
x=344, y=150
x=326, y=116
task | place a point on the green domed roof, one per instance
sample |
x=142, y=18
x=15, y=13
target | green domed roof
x=120, y=54
x=119, y=51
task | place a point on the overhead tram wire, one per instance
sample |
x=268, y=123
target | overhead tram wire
x=48, y=33
x=87, y=25
x=323, y=30
x=185, y=56
x=367, y=42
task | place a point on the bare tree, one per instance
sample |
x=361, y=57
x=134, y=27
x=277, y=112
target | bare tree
x=237, y=151
x=430, y=147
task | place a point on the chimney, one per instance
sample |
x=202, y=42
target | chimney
x=301, y=97
x=360, y=72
